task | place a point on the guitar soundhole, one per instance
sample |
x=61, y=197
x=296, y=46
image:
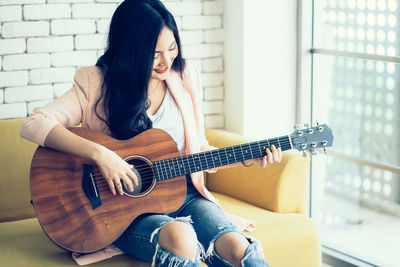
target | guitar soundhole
x=144, y=172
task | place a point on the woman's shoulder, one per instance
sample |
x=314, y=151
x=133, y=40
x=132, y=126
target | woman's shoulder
x=190, y=71
x=191, y=77
x=89, y=79
x=89, y=76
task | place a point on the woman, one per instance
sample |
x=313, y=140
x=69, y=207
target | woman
x=141, y=82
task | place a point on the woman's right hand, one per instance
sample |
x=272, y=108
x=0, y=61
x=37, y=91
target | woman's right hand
x=115, y=170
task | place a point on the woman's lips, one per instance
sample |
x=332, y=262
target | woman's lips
x=160, y=71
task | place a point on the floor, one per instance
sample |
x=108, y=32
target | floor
x=362, y=232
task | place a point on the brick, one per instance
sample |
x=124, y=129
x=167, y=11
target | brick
x=213, y=64
x=103, y=25
x=26, y=61
x=36, y=104
x=90, y=41
x=178, y=21
x=214, y=36
x=201, y=22
x=184, y=8
x=51, y=75
x=212, y=79
x=11, y=111
x=214, y=121
x=50, y=44
x=28, y=93
x=213, y=107
x=70, y=1
x=13, y=78
x=109, y=1
x=214, y=93
x=196, y=63
x=60, y=88
x=12, y=46
x=100, y=53
x=17, y=2
x=10, y=13
x=47, y=11
x=213, y=7
x=94, y=11
x=73, y=58
x=25, y=29
x=191, y=37
x=72, y=26
x=202, y=51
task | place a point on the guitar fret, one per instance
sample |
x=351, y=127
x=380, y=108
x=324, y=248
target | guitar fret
x=178, y=166
x=212, y=158
x=218, y=157
x=259, y=148
x=183, y=164
x=241, y=150
x=226, y=155
x=198, y=168
x=157, y=175
x=168, y=167
x=205, y=159
x=175, y=167
x=165, y=169
x=233, y=152
x=160, y=174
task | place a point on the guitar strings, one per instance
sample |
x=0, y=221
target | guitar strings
x=103, y=184
x=144, y=166
x=146, y=169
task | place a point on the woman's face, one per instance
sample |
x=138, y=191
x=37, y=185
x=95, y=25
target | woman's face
x=166, y=52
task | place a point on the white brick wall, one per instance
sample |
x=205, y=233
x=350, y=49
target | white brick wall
x=43, y=42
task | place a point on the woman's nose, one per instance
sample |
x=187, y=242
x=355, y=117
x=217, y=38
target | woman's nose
x=164, y=59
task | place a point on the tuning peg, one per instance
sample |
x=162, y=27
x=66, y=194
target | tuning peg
x=314, y=152
x=304, y=154
x=317, y=123
x=306, y=124
x=297, y=126
x=325, y=151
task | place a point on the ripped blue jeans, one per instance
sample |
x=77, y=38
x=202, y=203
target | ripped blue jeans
x=209, y=222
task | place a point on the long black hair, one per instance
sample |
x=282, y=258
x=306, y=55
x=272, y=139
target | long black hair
x=128, y=61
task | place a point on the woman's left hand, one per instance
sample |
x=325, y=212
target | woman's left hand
x=273, y=155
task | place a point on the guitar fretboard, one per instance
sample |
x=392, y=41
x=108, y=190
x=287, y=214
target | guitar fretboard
x=178, y=166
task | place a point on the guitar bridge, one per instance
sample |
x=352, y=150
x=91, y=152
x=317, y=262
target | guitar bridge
x=89, y=186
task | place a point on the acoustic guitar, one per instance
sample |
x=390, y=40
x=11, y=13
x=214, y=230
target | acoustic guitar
x=77, y=210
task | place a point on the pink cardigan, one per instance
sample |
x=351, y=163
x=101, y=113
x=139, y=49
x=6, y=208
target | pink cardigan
x=77, y=106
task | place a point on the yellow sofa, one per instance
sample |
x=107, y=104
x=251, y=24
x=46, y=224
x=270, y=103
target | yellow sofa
x=274, y=197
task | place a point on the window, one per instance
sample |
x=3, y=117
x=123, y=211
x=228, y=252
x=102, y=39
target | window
x=355, y=88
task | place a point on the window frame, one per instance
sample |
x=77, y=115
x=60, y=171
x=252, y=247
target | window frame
x=306, y=50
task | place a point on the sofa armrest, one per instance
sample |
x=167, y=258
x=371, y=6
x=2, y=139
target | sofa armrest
x=279, y=187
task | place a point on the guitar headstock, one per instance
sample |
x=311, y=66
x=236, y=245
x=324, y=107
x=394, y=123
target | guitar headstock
x=311, y=138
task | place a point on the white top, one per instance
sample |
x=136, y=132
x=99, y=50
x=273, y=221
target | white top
x=168, y=118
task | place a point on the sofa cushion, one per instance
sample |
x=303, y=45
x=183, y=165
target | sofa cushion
x=15, y=160
x=23, y=243
x=289, y=239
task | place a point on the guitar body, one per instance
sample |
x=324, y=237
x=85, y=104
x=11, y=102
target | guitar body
x=77, y=210
x=82, y=216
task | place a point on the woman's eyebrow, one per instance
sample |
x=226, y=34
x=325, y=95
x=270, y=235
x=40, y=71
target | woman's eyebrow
x=168, y=47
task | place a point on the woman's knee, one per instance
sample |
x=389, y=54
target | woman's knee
x=179, y=238
x=231, y=247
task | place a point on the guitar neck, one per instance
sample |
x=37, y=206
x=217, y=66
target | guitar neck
x=178, y=166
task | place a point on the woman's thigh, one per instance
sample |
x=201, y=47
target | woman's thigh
x=140, y=240
x=209, y=222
